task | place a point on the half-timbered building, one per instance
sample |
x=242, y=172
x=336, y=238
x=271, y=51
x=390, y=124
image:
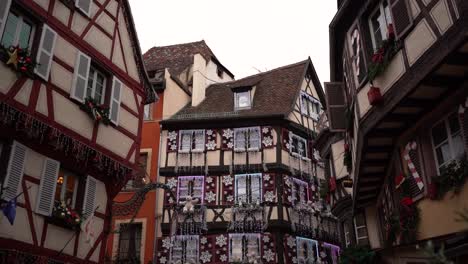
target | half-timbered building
x=243, y=175
x=173, y=70
x=72, y=93
x=397, y=99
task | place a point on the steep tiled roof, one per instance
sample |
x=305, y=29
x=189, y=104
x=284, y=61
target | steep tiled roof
x=275, y=94
x=178, y=57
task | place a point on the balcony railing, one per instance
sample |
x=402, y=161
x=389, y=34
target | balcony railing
x=191, y=222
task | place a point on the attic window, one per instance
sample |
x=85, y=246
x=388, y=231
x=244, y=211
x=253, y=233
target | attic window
x=219, y=71
x=242, y=100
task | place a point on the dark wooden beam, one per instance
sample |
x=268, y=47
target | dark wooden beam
x=416, y=102
x=378, y=149
x=397, y=117
x=442, y=81
x=458, y=58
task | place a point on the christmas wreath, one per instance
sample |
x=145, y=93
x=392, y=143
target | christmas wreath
x=384, y=54
x=97, y=111
x=19, y=59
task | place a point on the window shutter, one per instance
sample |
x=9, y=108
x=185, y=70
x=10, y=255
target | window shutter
x=15, y=171
x=115, y=101
x=254, y=138
x=80, y=78
x=4, y=7
x=199, y=139
x=84, y=5
x=336, y=106
x=402, y=18
x=46, y=52
x=89, y=197
x=46, y=195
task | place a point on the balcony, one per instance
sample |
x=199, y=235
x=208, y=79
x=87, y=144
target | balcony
x=191, y=222
x=248, y=218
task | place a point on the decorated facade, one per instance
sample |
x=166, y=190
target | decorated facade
x=72, y=85
x=396, y=105
x=243, y=175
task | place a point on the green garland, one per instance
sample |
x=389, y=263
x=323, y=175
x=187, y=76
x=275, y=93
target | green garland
x=452, y=177
x=382, y=57
x=97, y=111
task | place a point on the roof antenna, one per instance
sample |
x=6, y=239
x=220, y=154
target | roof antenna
x=259, y=71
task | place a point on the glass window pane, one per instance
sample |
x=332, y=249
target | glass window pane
x=48, y=41
x=458, y=146
x=9, y=33
x=454, y=124
x=89, y=90
x=439, y=133
x=186, y=141
x=243, y=99
x=443, y=153
x=70, y=189
x=147, y=115
x=25, y=35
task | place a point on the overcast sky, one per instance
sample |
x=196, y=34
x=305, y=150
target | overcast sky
x=245, y=35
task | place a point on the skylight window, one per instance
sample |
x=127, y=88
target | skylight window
x=242, y=100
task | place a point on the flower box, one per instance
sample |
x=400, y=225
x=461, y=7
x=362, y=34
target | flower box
x=64, y=216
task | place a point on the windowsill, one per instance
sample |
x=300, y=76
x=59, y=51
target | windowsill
x=239, y=150
x=253, y=149
x=305, y=159
x=198, y=151
x=184, y=151
x=61, y=223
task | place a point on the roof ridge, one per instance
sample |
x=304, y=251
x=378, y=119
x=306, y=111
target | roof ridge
x=179, y=44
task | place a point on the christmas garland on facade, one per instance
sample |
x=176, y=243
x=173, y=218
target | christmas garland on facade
x=19, y=59
x=66, y=215
x=452, y=177
x=384, y=54
x=96, y=110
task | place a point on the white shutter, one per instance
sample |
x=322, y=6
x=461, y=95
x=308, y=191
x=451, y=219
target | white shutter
x=15, y=171
x=89, y=197
x=114, y=110
x=84, y=5
x=199, y=140
x=254, y=138
x=4, y=7
x=239, y=138
x=256, y=187
x=46, y=52
x=80, y=78
x=46, y=195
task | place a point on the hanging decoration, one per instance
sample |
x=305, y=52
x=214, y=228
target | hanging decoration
x=227, y=139
x=268, y=247
x=383, y=56
x=211, y=190
x=248, y=218
x=172, y=140
x=375, y=96
x=410, y=163
x=452, y=178
x=210, y=139
x=355, y=40
x=95, y=110
x=269, y=188
x=65, y=216
x=399, y=180
x=267, y=137
x=19, y=59
x=36, y=129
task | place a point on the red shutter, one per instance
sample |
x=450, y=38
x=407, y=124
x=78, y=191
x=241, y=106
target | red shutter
x=269, y=192
x=207, y=248
x=211, y=140
x=402, y=17
x=227, y=139
x=268, y=248
x=210, y=189
x=287, y=189
x=168, y=199
x=172, y=140
x=336, y=106
x=289, y=244
x=227, y=188
x=285, y=139
x=163, y=253
x=267, y=137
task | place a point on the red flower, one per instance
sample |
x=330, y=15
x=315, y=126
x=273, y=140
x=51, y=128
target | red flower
x=407, y=201
x=377, y=57
x=28, y=60
x=391, y=31
x=346, y=147
x=23, y=69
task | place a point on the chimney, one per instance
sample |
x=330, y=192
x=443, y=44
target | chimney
x=199, y=81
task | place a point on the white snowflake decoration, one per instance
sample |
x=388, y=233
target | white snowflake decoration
x=167, y=243
x=294, y=260
x=170, y=200
x=162, y=260
x=266, y=177
x=265, y=130
x=223, y=258
x=211, y=145
x=291, y=242
x=227, y=180
x=290, y=199
x=228, y=133
x=173, y=147
x=268, y=255
x=288, y=146
x=209, y=132
x=230, y=198
x=205, y=256
x=203, y=240
x=221, y=241
x=210, y=197
x=323, y=254
x=230, y=145
x=267, y=141
x=172, y=135
x=287, y=181
x=172, y=183
x=209, y=180
x=269, y=196
x=266, y=239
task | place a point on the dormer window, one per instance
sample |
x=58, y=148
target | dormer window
x=242, y=100
x=310, y=106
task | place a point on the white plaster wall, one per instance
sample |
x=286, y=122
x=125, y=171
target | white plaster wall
x=84, y=246
x=441, y=15
x=43, y=3
x=106, y=22
x=61, y=77
x=99, y=41
x=372, y=226
x=79, y=23
x=112, y=7
x=128, y=50
x=41, y=106
x=419, y=41
x=114, y=140
x=128, y=98
x=117, y=57
x=24, y=93
x=81, y=123
x=199, y=82
x=8, y=78
x=65, y=51
x=211, y=73
x=128, y=121
x=337, y=149
x=61, y=12
x=174, y=97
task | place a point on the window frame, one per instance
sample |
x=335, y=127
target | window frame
x=306, y=240
x=197, y=238
x=22, y=18
x=189, y=178
x=148, y=108
x=248, y=199
x=193, y=147
x=236, y=99
x=97, y=72
x=247, y=146
x=137, y=254
x=383, y=31
x=445, y=121
x=63, y=188
x=296, y=182
x=243, y=253
x=357, y=228
x=308, y=101
x=297, y=154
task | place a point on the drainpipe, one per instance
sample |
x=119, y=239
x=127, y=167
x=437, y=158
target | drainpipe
x=156, y=228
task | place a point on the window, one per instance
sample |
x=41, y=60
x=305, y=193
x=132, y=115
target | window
x=140, y=178
x=191, y=141
x=190, y=186
x=310, y=106
x=247, y=139
x=66, y=188
x=96, y=85
x=244, y=247
x=148, y=112
x=361, y=229
x=300, y=191
x=219, y=72
x=18, y=31
x=185, y=249
x=298, y=146
x=307, y=250
x=242, y=100
x=129, y=242
x=379, y=22
x=447, y=140
x=248, y=188
x=84, y=5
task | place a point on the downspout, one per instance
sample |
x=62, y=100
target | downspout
x=156, y=228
